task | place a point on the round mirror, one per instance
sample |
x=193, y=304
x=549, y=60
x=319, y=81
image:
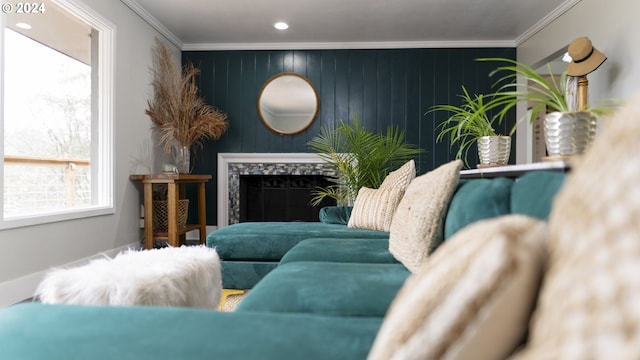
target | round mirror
x=288, y=103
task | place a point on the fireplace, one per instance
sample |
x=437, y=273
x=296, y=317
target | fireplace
x=231, y=166
x=280, y=197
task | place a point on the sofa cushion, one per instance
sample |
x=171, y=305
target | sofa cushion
x=374, y=208
x=533, y=193
x=417, y=226
x=335, y=214
x=244, y=274
x=589, y=307
x=338, y=289
x=269, y=241
x=39, y=331
x=479, y=288
x=477, y=199
x=341, y=250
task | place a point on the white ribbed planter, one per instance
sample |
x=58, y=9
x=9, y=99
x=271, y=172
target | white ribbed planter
x=494, y=150
x=568, y=134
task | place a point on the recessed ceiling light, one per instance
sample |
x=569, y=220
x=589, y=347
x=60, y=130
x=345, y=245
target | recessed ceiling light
x=281, y=25
x=24, y=26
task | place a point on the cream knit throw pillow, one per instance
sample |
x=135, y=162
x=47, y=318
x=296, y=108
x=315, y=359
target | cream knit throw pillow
x=374, y=209
x=417, y=225
x=472, y=299
x=402, y=177
x=589, y=307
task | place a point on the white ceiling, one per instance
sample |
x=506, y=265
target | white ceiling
x=314, y=24
x=71, y=36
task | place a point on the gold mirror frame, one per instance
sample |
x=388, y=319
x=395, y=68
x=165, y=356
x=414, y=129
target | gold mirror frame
x=288, y=103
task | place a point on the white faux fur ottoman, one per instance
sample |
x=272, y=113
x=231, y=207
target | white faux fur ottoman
x=178, y=276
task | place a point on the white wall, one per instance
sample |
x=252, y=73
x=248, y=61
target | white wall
x=26, y=253
x=613, y=27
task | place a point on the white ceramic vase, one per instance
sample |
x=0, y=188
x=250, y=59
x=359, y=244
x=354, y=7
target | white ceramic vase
x=494, y=150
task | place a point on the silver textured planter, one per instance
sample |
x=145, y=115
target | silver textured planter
x=494, y=150
x=568, y=134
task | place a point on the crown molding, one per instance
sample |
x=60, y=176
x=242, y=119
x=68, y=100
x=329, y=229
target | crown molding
x=545, y=21
x=348, y=45
x=151, y=20
x=146, y=16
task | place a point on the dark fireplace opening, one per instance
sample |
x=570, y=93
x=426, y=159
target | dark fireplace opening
x=280, y=197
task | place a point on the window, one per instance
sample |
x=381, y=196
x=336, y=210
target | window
x=56, y=113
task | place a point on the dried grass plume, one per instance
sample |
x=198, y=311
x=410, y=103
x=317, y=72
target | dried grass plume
x=178, y=114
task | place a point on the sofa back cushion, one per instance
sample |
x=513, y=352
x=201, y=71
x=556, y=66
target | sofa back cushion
x=335, y=214
x=533, y=193
x=477, y=199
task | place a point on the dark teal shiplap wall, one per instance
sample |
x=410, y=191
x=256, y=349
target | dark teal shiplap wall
x=384, y=87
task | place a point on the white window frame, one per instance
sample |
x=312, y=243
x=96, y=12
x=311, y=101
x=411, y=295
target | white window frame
x=102, y=126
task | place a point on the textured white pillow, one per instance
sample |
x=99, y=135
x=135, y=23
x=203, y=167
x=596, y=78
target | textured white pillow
x=473, y=297
x=374, y=208
x=402, y=177
x=589, y=307
x=417, y=225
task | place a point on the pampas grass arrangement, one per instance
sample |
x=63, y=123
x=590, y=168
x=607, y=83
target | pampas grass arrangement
x=179, y=115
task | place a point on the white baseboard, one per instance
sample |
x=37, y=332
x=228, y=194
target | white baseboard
x=20, y=289
x=193, y=234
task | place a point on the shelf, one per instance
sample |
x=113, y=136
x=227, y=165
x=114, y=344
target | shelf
x=184, y=230
x=515, y=170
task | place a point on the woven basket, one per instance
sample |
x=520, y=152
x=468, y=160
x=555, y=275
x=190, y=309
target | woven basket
x=160, y=215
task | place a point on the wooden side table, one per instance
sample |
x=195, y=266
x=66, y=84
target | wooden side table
x=175, y=189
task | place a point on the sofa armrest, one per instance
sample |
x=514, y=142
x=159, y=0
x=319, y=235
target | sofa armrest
x=335, y=214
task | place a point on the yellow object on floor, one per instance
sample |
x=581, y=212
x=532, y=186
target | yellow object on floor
x=226, y=293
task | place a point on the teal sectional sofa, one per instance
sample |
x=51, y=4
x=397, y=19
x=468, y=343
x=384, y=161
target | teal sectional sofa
x=251, y=250
x=322, y=294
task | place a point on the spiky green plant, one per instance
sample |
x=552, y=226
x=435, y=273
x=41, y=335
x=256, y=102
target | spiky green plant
x=475, y=117
x=544, y=92
x=360, y=156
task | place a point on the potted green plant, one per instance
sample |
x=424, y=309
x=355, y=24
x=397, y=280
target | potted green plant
x=567, y=132
x=473, y=121
x=361, y=158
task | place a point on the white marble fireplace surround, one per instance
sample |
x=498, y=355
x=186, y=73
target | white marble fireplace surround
x=232, y=165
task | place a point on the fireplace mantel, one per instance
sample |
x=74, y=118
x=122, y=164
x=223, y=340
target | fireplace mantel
x=232, y=165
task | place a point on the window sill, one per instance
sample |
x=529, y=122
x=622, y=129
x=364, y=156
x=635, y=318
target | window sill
x=52, y=217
